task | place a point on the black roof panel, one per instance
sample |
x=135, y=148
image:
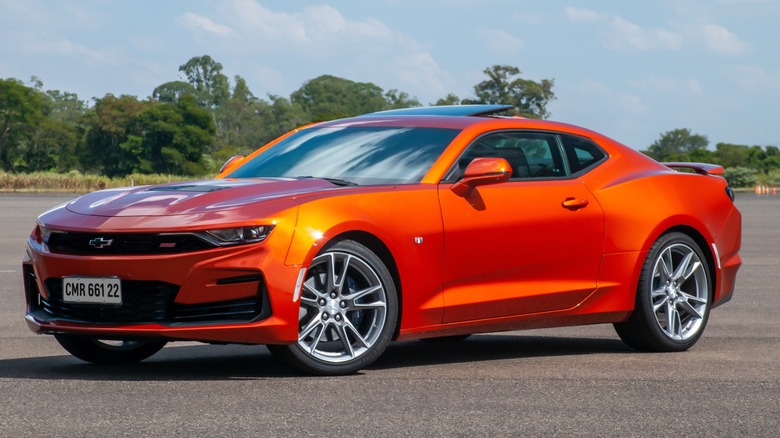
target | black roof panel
x=444, y=110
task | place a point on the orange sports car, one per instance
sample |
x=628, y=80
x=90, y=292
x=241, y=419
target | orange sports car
x=438, y=222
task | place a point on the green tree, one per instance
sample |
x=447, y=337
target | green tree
x=240, y=125
x=696, y=156
x=20, y=114
x=173, y=138
x=63, y=106
x=51, y=146
x=329, y=97
x=675, y=143
x=449, y=99
x=170, y=92
x=755, y=158
x=125, y=135
x=399, y=99
x=205, y=75
x=241, y=90
x=237, y=123
x=731, y=155
x=281, y=116
x=505, y=86
x=772, y=162
x=741, y=176
x=113, y=136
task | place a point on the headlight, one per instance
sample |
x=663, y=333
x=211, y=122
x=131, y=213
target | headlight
x=43, y=233
x=237, y=236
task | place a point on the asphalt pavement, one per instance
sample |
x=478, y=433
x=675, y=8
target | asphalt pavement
x=554, y=382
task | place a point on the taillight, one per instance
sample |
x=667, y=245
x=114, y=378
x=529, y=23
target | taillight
x=730, y=193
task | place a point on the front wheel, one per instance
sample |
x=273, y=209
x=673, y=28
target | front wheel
x=348, y=312
x=106, y=351
x=673, y=297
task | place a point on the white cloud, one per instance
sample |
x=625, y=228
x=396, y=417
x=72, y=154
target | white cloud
x=316, y=30
x=262, y=23
x=323, y=20
x=622, y=34
x=62, y=47
x=196, y=22
x=627, y=35
x=720, y=40
x=582, y=15
x=357, y=49
x=421, y=71
x=501, y=42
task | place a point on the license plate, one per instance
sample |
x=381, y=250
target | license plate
x=93, y=290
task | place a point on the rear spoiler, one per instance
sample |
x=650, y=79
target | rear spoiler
x=700, y=168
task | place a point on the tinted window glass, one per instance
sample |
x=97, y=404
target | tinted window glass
x=531, y=155
x=363, y=155
x=581, y=153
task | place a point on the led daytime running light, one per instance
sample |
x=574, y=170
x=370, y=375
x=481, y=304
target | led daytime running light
x=238, y=235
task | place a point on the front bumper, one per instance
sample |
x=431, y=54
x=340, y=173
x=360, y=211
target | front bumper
x=233, y=295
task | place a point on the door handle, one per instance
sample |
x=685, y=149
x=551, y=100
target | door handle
x=574, y=203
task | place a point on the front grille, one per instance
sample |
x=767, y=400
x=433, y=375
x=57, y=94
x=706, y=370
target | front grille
x=150, y=302
x=125, y=243
x=245, y=309
x=142, y=301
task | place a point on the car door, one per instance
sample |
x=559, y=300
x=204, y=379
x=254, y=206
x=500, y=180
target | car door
x=532, y=244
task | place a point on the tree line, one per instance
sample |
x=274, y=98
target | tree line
x=191, y=125
x=745, y=165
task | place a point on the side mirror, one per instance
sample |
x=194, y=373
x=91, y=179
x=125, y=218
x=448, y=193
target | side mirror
x=482, y=171
x=231, y=163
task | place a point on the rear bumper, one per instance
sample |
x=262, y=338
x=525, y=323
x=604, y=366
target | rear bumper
x=727, y=247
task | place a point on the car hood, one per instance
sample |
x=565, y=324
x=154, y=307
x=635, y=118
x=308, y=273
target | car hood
x=193, y=197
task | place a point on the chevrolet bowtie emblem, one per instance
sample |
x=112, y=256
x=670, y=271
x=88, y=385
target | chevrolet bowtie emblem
x=100, y=242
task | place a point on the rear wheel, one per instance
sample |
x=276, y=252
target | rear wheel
x=672, y=302
x=348, y=312
x=106, y=351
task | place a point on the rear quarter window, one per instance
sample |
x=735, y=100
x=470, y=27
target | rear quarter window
x=582, y=154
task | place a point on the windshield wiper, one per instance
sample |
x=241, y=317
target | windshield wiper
x=336, y=181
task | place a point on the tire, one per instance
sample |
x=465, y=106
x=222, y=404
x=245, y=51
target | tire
x=104, y=351
x=672, y=299
x=348, y=313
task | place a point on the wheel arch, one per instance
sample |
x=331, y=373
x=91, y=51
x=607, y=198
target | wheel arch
x=378, y=247
x=704, y=246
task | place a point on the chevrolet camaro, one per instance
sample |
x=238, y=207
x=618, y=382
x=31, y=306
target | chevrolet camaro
x=424, y=223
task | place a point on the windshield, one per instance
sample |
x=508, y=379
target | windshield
x=360, y=155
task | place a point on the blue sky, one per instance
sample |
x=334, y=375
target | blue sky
x=629, y=69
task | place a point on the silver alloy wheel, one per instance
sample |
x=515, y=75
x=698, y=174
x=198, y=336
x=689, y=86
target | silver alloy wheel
x=679, y=292
x=343, y=308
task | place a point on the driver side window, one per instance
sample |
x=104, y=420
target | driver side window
x=531, y=155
